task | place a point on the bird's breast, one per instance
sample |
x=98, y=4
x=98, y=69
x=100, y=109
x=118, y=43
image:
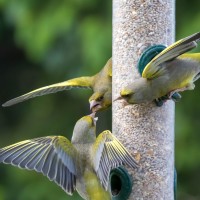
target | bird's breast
x=90, y=188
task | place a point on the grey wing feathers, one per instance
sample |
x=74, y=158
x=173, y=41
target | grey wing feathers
x=41, y=155
x=178, y=48
x=82, y=82
x=111, y=154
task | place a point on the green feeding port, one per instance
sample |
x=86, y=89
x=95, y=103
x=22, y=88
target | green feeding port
x=121, y=183
x=148, y=55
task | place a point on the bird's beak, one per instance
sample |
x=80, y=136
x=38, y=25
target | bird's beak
x=94, y=105
x=125, y=102
x=118, y=98
x=92, y=115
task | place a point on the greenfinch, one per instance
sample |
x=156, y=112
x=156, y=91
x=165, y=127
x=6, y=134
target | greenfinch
x=84, y=164
x=100, y=83
x=173, y=70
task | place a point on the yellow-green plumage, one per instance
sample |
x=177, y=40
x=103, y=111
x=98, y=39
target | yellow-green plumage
x=94, y=188
x=100, y=83
x=83, y=164
x=170, y=71
x=192, y=56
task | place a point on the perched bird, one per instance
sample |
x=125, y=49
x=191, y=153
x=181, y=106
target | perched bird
x=170, y=71
x=100, y=83
x=84, y=164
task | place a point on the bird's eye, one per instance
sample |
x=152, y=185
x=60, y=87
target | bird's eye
x=126, y=95
x=100, y=98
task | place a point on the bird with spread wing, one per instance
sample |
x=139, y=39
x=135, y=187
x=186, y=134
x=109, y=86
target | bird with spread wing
x=84, y=164
x=172, y=70
x=100, y=83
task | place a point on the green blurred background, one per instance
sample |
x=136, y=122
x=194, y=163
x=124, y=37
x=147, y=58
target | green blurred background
x=44, y=42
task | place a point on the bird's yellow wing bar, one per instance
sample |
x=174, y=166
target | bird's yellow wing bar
x=154, y=69
x=81, y=82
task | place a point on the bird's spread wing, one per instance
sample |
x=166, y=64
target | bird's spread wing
x=109, y=153
x=154, y=69
x=82, y=82
x=53, y=156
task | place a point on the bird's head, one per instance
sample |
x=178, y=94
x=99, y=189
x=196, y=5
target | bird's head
x=125, y=94
x=136, y=92
x=100, y=101
x=85, y=129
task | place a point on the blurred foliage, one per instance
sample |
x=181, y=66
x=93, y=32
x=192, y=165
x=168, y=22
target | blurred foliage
x=53, y=32
x=44, y=42
x=187, y=124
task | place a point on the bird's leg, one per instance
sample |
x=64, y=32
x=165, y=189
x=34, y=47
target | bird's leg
x=189, y=86
x=160, y=101
x=170, y=94
x=175, y=96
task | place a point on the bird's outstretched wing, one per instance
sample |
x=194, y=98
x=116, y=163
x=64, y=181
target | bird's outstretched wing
x=53, y=156
x=109, y=153
x=81, y=82
x=154, y=69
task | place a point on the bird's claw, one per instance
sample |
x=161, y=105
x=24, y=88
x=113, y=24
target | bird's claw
x=171, y=96
x=176, y=97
